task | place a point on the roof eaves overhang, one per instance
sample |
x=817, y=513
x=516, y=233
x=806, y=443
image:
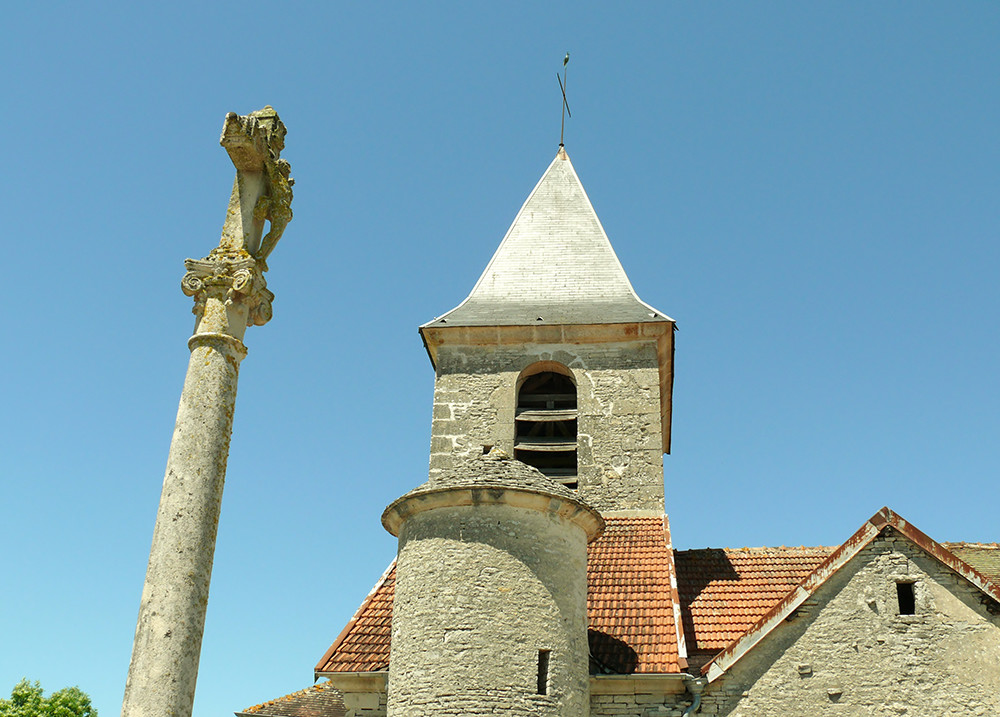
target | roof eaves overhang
x=883, y=519
x=662, y=332
x=640, y=683
x=348, y=682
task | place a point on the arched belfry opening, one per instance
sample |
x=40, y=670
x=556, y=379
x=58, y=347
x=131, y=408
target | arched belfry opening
x=545, y=421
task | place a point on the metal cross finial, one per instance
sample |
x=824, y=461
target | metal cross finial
x=565, y=104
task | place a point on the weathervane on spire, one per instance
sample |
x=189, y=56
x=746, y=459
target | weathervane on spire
x=565, y=104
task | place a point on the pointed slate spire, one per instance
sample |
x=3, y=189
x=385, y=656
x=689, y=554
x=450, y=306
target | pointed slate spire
x=554, y=266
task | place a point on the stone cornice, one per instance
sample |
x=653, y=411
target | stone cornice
x=638, y=684
x=435, y=336
x=660, y=332
x=356, y=681
x=585, y=517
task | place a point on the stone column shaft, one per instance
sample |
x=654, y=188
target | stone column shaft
x=171, y=622
x=230, y=294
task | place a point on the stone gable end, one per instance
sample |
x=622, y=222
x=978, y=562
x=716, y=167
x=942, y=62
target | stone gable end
x=848, y=651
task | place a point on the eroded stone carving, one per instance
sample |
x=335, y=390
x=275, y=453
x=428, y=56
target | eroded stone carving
x=251, y=138
x=229, y=280
x=276, y=207
x=234, y=271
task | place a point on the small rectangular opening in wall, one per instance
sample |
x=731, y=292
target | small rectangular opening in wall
x=543, y=671
x=906, y=598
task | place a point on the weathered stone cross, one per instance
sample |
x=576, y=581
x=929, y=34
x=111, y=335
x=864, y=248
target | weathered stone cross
x=262, y=190
x=230, y=294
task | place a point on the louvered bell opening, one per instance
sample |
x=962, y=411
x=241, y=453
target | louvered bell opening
x=546, y=423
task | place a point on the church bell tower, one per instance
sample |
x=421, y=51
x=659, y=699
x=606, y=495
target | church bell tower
x=555, y=360
x=551, y=411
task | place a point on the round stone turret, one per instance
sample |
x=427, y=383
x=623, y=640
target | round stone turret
x=490, y=607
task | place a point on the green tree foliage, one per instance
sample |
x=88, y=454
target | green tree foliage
x=27, y=700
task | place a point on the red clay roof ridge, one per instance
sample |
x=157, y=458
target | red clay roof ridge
x=774, y=548
x=633, y=513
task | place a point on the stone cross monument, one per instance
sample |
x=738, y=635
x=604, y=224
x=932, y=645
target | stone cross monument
x=229, y=294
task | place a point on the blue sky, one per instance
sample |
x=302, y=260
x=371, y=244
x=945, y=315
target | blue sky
x=811, y=190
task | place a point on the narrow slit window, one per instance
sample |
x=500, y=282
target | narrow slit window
x=543, y=671
x=907, y=599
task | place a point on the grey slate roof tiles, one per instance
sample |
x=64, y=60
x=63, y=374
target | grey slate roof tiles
x=554, y=266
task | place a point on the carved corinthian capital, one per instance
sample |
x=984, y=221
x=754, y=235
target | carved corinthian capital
x=230, y=280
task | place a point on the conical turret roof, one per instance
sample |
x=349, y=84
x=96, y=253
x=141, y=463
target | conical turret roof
x=554, y=266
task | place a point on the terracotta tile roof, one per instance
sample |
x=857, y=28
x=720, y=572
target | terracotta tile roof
x=724, y=592
x=635, y=602
x=363, y=645
x=631, y=598
x=321, y=700
x=630, y=601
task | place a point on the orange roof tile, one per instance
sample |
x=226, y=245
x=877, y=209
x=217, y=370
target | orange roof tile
x=631, y=603
x=363, y=645
x=724, y=592
x=631, y=598
x=651, y=609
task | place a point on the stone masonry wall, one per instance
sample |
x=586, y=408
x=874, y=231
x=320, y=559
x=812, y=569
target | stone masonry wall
x=480, y=590
x=849, y=652
x=620, y=454
x=639, y=705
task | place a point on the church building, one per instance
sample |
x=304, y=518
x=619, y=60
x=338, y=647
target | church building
x=535, y=573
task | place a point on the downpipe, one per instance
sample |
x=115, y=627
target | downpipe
x=695, y=686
